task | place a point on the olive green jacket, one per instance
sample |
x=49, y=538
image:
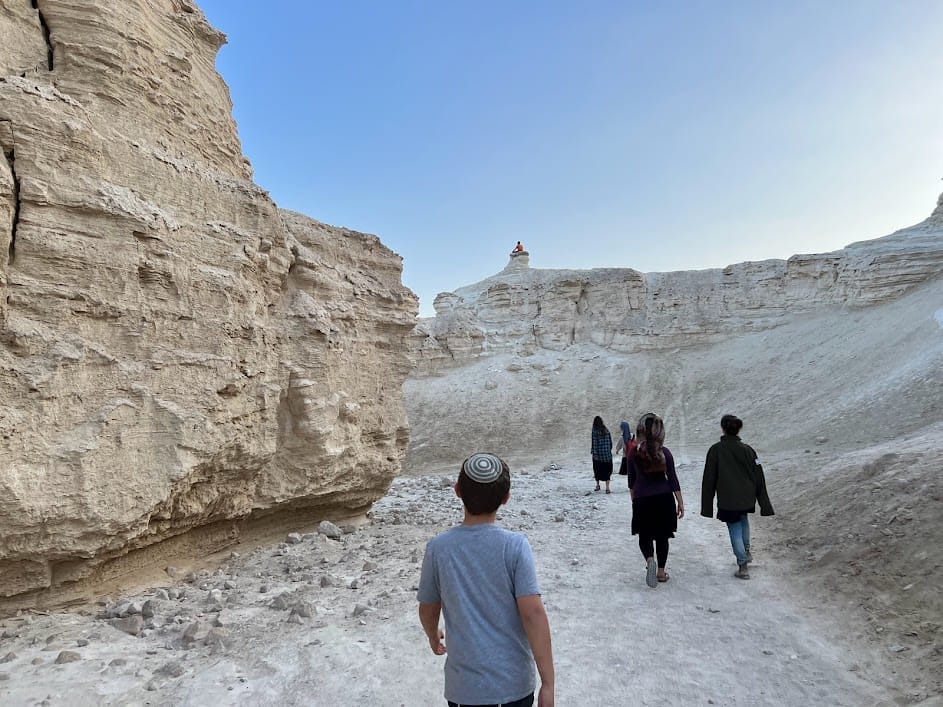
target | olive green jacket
x=734, y=473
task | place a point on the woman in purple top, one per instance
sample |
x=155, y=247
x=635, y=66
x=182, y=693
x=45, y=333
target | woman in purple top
x=654, y=488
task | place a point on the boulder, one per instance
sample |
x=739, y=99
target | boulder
x=176, y=351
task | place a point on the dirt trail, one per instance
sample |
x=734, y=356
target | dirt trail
x=702, y=638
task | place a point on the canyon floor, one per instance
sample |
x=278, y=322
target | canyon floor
x=308, y=619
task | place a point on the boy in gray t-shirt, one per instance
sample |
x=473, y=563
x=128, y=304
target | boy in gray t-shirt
x=481, y=578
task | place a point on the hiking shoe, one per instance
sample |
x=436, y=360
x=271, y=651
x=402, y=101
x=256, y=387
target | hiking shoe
x=742, y=572
x=651, y=573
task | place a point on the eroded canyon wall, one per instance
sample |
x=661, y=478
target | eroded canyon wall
x=521, y=310
x=175, y=351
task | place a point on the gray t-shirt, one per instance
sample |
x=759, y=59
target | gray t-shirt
x=477, y=572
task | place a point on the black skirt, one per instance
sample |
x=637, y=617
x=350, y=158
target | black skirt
x=655, y=516
x=602, y=471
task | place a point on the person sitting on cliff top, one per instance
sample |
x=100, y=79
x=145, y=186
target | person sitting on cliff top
x=519, y=248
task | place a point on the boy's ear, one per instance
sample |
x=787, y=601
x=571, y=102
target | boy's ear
x=507, y=497
x=458, y=491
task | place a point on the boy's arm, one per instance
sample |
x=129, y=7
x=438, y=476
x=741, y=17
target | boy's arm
x=429, y=618
x=537, y=628
x=709, y=483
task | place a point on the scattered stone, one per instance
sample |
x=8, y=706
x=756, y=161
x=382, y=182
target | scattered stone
x=280, y=602
x=293, y=618
x=149, y=609
x=369, y=566
x=767, y=652
x=229, y=584
x=118, y=662
x=218, y=638
x=263, y=589
x=81, y=642
x=172, y=669
x=234, y=555
x=898, y=649
x=173, y=593
x=359, y=609
x=353, y=583
x=214, y=596
x=132, y=625
x=348, y=529
x=191, y=634
x=67, y=657
x=303, y=609
x=174, y=572
x=326, y=581
x=161, y=594
x=328, y=529
x=559, y=518
x=8, y=658
x=37, y=661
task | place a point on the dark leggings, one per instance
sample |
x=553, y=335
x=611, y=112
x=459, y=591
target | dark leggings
x=648, y=545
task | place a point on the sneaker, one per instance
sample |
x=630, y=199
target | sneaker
x=742, y=572
x=651, y=573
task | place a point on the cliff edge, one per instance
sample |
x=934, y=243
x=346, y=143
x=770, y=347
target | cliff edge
x=176, y=352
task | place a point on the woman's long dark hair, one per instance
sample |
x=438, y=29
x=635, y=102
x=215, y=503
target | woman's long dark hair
x=651, y=435
x=598, y=424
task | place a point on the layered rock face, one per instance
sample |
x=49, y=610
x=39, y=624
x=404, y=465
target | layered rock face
x=522, y=310
x=175, y=351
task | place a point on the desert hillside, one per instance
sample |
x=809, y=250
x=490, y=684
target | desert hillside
x=839, y=383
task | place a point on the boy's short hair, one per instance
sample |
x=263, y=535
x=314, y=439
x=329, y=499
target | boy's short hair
x=731, y=424
x=483, y=496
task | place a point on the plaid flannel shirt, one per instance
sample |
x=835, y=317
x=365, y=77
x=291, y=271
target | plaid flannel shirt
x=602, y=446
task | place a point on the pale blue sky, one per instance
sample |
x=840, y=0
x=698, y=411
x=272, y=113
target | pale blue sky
x=658, y=135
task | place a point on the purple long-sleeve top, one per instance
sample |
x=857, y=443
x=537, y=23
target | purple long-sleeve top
x=644, y=484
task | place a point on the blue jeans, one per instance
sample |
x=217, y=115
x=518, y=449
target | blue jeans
x=740, y=538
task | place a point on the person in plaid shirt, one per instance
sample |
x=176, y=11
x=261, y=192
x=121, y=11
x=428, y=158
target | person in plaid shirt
x=602, y=453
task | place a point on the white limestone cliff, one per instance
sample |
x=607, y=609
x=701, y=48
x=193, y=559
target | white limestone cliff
x=176, y=353
x=521, y=362
x=620, y=309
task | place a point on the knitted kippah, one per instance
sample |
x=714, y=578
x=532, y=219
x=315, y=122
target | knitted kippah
x=483, y=468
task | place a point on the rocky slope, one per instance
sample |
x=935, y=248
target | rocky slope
x=620, y=309
x=834, y=362
x=175, y=351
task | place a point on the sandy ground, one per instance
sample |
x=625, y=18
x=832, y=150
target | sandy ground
x=323, y=621
x=843, y=608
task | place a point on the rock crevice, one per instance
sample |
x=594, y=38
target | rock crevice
x=9, y=155
x=47, y=35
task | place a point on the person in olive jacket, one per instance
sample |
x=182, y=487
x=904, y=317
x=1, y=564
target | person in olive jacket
x=733, y=471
